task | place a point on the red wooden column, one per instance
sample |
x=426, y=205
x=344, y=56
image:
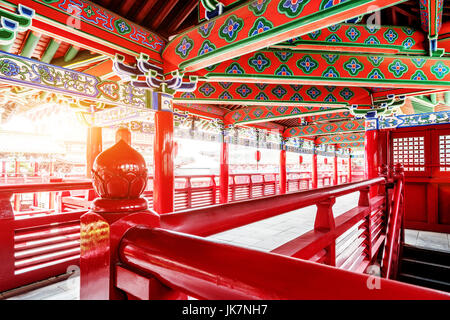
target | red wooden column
x=163, y=183
x=314, y=173
x=3, y=168
x=283, y=174
x=224, y=170
x=372, y=150
x=35, y=174
x=335, y=168
x=349, y=165
x=123, y=134
x=93, y=148
x=371, y=138
x=16, y=168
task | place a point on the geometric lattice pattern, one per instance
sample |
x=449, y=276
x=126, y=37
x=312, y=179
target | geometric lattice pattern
x=444, y=152
x=410, y=152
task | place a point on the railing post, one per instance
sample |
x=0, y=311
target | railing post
x=7, y=242
x=233, y=189
x=325, y=223
x=263, y=192
x=250, y=187
x=188, y=187
x=364, y=201
x=120, y=177
x=214, y=190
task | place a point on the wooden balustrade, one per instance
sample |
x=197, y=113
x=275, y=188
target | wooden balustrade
x=40, y=242
x=190, y=265
x=37, y=244
x=195, y=266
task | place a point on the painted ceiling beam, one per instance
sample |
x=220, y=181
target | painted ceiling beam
x=334, y=69
x=30, y=73
x=329, y=116
x=269, y=126
x=354, y=145
x=259, y=114
x=209, y=111
x=360, y=38
x=325, y=129
x=385, y=94
x=341, y=138
x=102, y=69
x=255, y=25
x=248, y=94
x=91, y=26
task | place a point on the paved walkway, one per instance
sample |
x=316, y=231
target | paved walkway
x=264, y=235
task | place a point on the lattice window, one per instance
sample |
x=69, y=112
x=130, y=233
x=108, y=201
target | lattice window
x=444, y=152
x=410, y=152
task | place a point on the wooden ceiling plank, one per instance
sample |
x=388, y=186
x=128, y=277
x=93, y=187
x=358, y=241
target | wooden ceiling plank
x=181, y=16
x=145, y=10
x=158, y=17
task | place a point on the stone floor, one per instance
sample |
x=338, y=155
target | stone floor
x=264, y=235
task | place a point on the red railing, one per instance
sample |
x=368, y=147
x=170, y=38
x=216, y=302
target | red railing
x=37, y=244
x=392, y=250
x=40, y=242
x=204, y=269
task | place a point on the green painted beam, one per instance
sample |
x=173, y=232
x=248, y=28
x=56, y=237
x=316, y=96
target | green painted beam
x=6, y=47
x=447, y=98
x=82, y=59
x=420, y=107
x=71, y=53
x=30, y=44
x=423, y=101
x=50, y=52
x=433, y=98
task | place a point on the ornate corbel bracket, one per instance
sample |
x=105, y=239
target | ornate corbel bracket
x=145, y=75
x=11, y=23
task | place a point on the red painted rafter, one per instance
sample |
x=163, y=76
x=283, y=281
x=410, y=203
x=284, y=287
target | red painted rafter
x=145, y=10
x=125, y=6
x=181, y=16
x=162, y=13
